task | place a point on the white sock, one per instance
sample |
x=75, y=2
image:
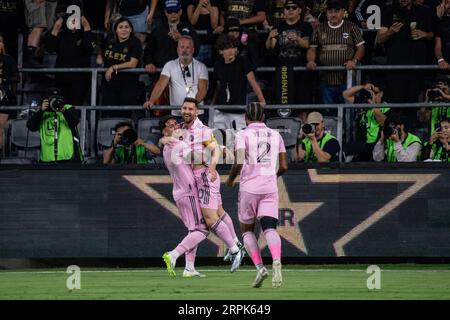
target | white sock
x=236, y=240
x=234, y=249
x=259, y=266
x=174, y=254
x=190, y=266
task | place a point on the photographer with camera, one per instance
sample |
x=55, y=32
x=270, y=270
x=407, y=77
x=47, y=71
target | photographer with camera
x=395, y=143
x=369, y=121
x=314, y=144
x=439, y=94
x=438, y=146
x=57, y=124
x=127, y=148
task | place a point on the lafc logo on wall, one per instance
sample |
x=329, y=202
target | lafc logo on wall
x=291, y=213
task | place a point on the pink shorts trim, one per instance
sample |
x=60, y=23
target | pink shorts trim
x=191, y=213
x=208, y=191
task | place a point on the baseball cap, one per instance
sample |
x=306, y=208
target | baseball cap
x=232, y=24
x=314, y=117
x=292, y=3
x=334, y=4
x=172, y=5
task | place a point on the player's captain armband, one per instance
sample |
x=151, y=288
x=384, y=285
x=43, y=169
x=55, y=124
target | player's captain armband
x=211, y=140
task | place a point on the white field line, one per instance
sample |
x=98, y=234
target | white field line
x=220, y=270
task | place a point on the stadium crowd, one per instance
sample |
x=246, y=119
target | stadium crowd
x=175, y=42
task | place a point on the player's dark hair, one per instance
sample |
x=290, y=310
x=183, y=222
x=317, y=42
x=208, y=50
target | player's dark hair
x=191, y=100
x=255, y=111
x=226, y=41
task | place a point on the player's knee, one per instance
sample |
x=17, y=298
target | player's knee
x=268, y=223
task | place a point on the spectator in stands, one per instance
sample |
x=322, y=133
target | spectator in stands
x=442, y=40
x=395, y=143
x=232, y=73
x=139, y=12
x=74, y=49
x=57, y=124
x=289, y=42
x=249, y=13
x=439, y=94
x=162, y=42
x=369, y=122
x=405, y=30
x=39, y=15
x=11, y=19
x=335, y=43
x=204, y=15
x=9, y=77
x=121, y=52
x=127, y=148
x=274, y=13
x=438, y=146
x=318, y=145
x=248, y=41
x=185, y=76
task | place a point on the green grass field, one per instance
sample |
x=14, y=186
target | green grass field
x=406, y=281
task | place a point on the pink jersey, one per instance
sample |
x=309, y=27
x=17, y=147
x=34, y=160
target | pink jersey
x=198, y=136
x=180, y=170
x=262, y=146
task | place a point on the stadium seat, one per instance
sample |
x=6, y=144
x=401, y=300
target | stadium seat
x=148, y=129
x=23, y=143
x=331, y=124
x=105, y=132
x=288, y=129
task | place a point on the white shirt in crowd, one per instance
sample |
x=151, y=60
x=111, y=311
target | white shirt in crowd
x=183, y=84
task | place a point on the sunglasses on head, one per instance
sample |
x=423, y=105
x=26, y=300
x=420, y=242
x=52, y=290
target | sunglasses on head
x=291, y=7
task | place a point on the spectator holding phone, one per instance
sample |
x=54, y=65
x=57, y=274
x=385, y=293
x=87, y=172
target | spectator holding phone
x=438, y=146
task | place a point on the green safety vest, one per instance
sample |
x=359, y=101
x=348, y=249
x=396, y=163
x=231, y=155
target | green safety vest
x=410, y=139
x=438, y=114
x=141, y=157
x=310, y=156
x=371, y=124
x=64, y=147
x=438, y=153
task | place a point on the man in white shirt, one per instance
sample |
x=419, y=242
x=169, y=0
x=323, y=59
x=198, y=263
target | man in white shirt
x=185, y=76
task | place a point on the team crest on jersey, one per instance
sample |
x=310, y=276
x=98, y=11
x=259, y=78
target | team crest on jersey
x=191, y=138
x=324, y=36
x=345, y=35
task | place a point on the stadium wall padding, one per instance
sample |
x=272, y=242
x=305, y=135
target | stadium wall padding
x=111, y=213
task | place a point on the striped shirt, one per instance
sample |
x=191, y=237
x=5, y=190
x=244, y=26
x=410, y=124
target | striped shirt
x=335, y=46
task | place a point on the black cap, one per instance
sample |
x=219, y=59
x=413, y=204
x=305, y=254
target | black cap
x=334, y=4
x=293, y=3
x=232, y=24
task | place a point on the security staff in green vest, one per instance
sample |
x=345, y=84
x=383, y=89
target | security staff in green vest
x=395, y=143
x=438, y=146
x=314, y=144
x=57, y=123
x=439, y=94
x=127, y=148
x=368, y=123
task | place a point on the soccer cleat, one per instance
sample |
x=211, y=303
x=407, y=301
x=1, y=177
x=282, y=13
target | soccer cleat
x=276, y=274
x=169, y=264
x=228, y=254
x=261, y=275
x=192, y=274
x=236, y=259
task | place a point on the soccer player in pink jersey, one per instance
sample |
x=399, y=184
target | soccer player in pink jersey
x=258, y=149
x=201, y=140
x=178, y=162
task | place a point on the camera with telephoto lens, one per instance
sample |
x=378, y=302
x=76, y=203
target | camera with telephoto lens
x=433, y=95
x=389, y=130
x=365, y=95
x=129, y=137
x=308, y=128
x=56, y=102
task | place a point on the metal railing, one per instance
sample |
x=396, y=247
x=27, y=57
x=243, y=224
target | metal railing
x=340, y=107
